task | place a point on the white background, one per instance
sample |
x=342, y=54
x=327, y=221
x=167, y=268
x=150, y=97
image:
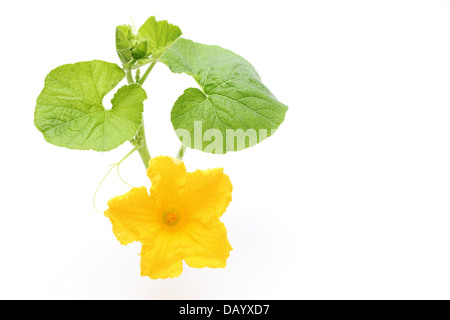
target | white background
x=348, y=200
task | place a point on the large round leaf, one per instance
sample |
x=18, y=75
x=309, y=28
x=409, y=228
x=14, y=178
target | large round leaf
x=70, y=111
x=233, y=109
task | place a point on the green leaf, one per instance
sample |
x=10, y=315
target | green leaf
x=142, y=50
x=152, y=40
x=70, y=113
x=124, y=43
x=232, y=98
x=158, y=36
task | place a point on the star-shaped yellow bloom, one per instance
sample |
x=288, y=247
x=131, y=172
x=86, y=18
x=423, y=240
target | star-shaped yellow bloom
x=178, y=221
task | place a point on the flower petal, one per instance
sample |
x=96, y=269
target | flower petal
x=133, y=215
x=206, y=245
x=161, y=255
x=208, y=193
x=168, y=176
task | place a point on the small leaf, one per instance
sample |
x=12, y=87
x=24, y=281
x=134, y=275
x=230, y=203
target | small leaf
x=70, y=113
x=152, y=40
x=142, y=50
x=232, y=97
x=124, y=43
x=159, y=36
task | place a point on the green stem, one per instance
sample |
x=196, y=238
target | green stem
x=181, y=152
x=138, y=75
x=129, y=76
x=147, y=72
x=142, y=141
x=139, y=140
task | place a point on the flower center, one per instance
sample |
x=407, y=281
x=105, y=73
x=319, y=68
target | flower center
x=170, y=217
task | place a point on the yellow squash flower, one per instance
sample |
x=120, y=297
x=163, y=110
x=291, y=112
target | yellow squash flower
x=178, y=221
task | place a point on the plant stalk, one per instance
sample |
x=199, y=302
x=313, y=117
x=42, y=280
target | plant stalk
x=181, y=152
x=129, y=76
x=143, y=150
x=140, y=139
x=147, y=72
